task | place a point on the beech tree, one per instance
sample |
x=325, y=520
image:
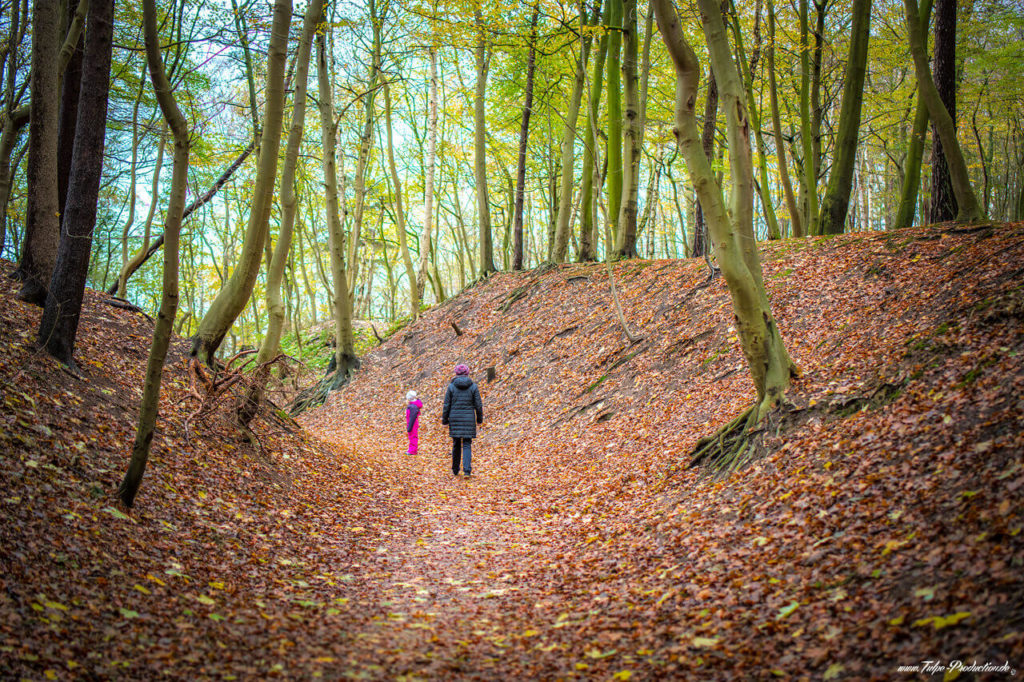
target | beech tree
x=235, y=293
x=172, y=227
x=730, y=230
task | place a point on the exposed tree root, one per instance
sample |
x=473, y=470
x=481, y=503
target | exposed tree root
x=728, y=448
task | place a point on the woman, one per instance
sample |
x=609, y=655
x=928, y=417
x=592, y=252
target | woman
x=462, y=411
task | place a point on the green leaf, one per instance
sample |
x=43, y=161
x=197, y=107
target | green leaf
x=203, y=599
x=786, y=610
x=117, y=513
x=128, y=613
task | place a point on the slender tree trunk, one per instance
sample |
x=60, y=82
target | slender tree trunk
x=59, y=324
x=42, y=221
x=172, y=227
x=588, y=240
x=780, y=146
x=614, y=97
x=915, y=147
x=943, y=199
x=233, y=297
x=129, y=222
x=563, y=221
x=426, y=245
x=809, y=210
x=410, y=271
x=747, y=73
x=837, y=197
x=131, y=264
x=345, y=358
x=967, y=205
x=271, y=345
x=626, y=234
x=483, y=206
x=365, y=145
x=700, y=230
x=524, y=137
x=766, y=355
x=8, y=139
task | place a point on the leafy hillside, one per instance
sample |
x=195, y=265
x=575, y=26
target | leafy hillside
x=879, y=527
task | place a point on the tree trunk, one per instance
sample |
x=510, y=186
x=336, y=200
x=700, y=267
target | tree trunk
x=172, y=226
x=483, y=206
x=943, y=199
x=915, y=147
x=42, y=221
x=809, y=179
x=235, y=294
x=563, y=224
x=837, y=197
x=426, y=246
x=524, y=136
x=345, y=358
x=780, y=146
x=614, y=98
x=967, y=205
x=133, y=263
x=8, y=139
x=626, y=234
x=271, y=345
x=410, y=271
x=71, y=68
x=700, y=230
x=763, y=347
x=588, y=238
x=59, y=324
x=365, y=145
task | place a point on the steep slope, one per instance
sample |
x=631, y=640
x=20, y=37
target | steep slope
x=882, y=529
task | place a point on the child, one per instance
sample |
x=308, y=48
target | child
x=412, y=420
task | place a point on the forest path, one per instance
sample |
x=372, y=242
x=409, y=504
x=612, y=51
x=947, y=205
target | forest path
x=448, y=574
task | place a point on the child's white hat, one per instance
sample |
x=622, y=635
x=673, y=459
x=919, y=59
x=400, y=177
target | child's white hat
x=410, y=396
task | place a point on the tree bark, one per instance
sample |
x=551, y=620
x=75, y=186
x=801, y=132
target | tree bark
x=968, y=209
x=943, y=199
x=235, y=294
x=172, y=226
x=42, y=214
x=70, y=69
x=8, y=139
x=915, y=147
x=837, y=197
x=524, y=137
x=809, y=178
x=59, y=324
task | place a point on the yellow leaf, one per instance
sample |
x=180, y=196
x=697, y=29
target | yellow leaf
x=217, y=585
x=203, y=599
x=142, y=589
x=623, y=675
x=833, y=671
x=897, y=621
x=582, y=666
x=704, y=642
x=951, y=675
x=51, y=674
